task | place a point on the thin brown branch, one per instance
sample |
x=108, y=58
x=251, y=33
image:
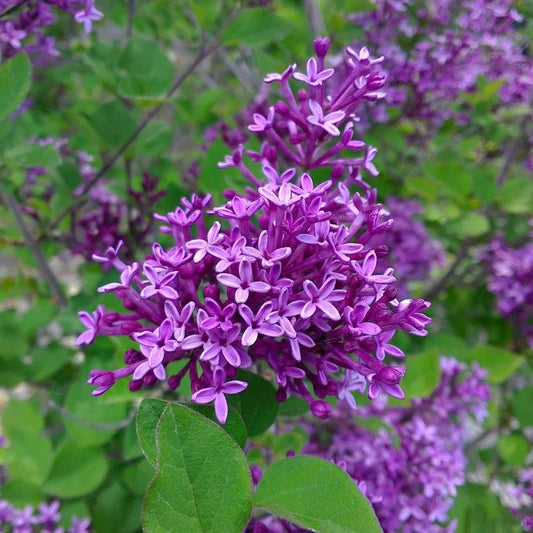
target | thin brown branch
x=36, y=251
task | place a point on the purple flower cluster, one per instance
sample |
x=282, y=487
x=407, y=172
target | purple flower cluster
x=522, y=493
x=510, y=279
x=436, y=50
x=413, y=252
x=410, y=468
x=44, y=519
x=22, y=25
x=286, y=275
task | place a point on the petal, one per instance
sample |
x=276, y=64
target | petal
x=369, y=263
x=141, y=370
x=308, y=310
x=249, y=336
x=231, y=355
x=259, y=286
x=229, y=280
x=204, y=395
x=328, y=309
x=315, y=108
x=271, y=330
x=221, y=408
x=234, y=387
x=160, y=372
x=241, y=295
x=191, y=342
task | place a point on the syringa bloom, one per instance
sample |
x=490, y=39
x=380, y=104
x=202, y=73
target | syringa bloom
x=44, y=519
x=411, y=466
x=268, y=284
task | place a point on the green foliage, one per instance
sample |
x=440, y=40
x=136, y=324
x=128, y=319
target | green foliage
x=15, y=81
x=423, y=374
x=292, y=488
x=202, y=480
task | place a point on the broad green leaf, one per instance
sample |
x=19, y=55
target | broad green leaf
x=22, y=415
x=15, y=81
x=315, y=494
x=234, y=425
x=423, y=374
x=76, y=471
x=113, y=123
x=470, y=225
x=256, y=28
x=500, y=363
x=293, y=406
x=28, y=456
x=516, y=196
x=522, y=403
x=45, y=362
x=257, y=403
x=138, y=476
x=91, y=410
x=77, y=508
x=148, y=416
x=145, y=70
x=21, y=493
x=202, y=483
x=27, y=154
x=131, y=448
x=513, y=449
x=116, y=509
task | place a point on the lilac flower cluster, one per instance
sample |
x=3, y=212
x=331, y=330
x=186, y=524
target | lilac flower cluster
x=105, y=219
x=286, y=275
x=45, y=519
x=522, y=493
x=436, y=50
x=22, y=25
x=510, y=279
x=416, y=460
x=413, y=252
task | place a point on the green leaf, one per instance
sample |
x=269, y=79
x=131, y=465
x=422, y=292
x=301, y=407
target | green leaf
x=116, y=509
x=257, y=403
x=45, y=362
x=522, y=403
x=21, y=493
x=202, y=483
x=234, y=425
x=145, y=70
x=148, y=416
x=15, y=81
x=22, y=416
x=470, y=225
x=113, y=123
x=76, y=471
x=513, y=449
x=27, y=154
x=500, y=363
x=137, y=476
x=256, y=28
x=315, y=494
x=84, y=406
x=423, y=374
x=516, y=196
x=293, y=406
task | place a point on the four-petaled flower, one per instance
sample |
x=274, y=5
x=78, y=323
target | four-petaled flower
x=159, y=284
x=258, y=324
x=203, y=246
x=268, y=257
x=225, y=343
x=353, y=381
x=273, y=77
x=11, y=35
x=126, y=277
x=326, y=122
x=367, y=270
x=179, y=318
x=313, y=77
x=244, y=284
x=92, y=322
x=262, y=123
x=153, y=345
x=217, y=392
x=87, y=15
x=321, y=299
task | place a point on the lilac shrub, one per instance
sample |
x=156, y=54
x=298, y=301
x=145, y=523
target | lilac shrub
x=22, y=25
x=285, y=275
x=437, y=50
x=510, y=279
x=43, y=519
x=416, y=459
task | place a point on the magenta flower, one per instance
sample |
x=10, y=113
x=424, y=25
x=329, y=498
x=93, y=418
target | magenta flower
x=321, y=298
x=258, y=324
x=313, y=77
x=279, y=78
x=367, y=270
x=244, y=284
x=159, y=284
x=87, y=15
x=262, y=123
x=217, y=393
x=11, y=35
x=126, y=277
x=353, y=381
x=228, y=257
x=265, y=253
x=225, y=343
x=92, y=322
x=326, y=122
x=204, y=246
x=179, y=318
x=153, y=345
